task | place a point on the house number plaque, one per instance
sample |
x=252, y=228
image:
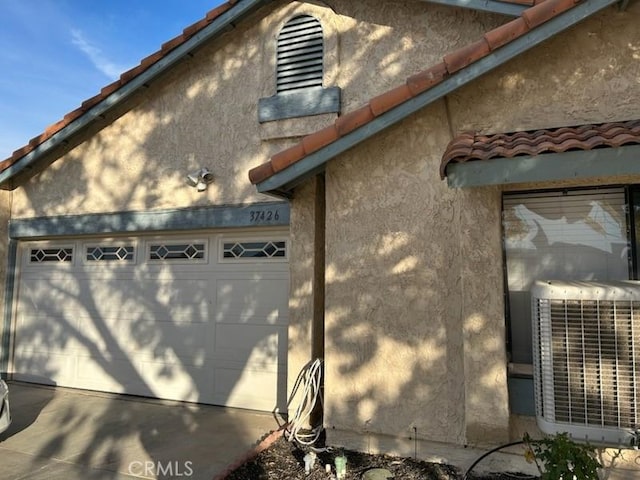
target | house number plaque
x=267, y=215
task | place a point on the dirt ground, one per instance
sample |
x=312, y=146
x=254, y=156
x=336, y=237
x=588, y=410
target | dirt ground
x=285, y=461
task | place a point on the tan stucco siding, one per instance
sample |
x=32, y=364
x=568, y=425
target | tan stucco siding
x=301, y=263
x=588, y=74
x=382, y=43
x=482, y=315
x=394, y=339
x=415, y=270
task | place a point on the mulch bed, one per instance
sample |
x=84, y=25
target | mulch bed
x=283, y=460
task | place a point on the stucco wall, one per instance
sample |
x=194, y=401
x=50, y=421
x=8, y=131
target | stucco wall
x=589, y=74
x=415, y=316
x=302, y=284
x=394, y=320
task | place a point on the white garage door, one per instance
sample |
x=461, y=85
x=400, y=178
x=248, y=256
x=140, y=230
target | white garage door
x=200, y=317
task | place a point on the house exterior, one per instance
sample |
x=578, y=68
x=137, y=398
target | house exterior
x=374, y=209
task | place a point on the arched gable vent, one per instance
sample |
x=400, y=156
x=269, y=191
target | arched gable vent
x=300, y=51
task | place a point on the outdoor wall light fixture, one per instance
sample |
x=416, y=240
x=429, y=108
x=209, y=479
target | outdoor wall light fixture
x=200, y=179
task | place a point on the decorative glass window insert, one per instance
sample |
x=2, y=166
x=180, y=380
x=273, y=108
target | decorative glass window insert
x=42, y=255
x=268, y=249
x=106, y=254
x=183, y=251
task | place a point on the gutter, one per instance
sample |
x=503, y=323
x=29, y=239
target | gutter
x=494, y=6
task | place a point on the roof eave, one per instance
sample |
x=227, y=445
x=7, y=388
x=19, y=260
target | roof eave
x=493, y=6
x=577, y=164
x=286, y=179
x=61, y=141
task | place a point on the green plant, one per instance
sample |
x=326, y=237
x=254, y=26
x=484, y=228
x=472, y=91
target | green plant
x=560, y=458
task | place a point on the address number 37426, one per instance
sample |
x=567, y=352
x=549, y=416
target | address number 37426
x=258, y=216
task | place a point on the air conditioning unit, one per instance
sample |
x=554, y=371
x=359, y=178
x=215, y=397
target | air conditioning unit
x=586, y=341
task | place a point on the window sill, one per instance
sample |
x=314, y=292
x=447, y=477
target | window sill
x=520, y=370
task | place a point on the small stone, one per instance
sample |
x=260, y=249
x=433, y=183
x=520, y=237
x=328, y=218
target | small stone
x=377, y=474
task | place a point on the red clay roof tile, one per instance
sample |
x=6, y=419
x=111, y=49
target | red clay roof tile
x=109, y=89
x=191, y=30
x=390, y=99
x=468, y=147
x=54, y=128
x=423, y=81
x=261, y=173
x=502, y=35
x=353, y=120
x=19, y=153
x=129, y=75
x=72, y=115
x=319, y=139
x=171, y=44
x=283, y=159
x=219, y=10
x=151, y=59
x=544, y=11
x=465, y=56
x=124, y=79
x=91, y=102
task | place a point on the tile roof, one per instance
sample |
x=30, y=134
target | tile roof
x=542, y=11
x=124, y=79
x=470, y=146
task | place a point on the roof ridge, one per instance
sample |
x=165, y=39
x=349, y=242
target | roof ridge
x=123, y=80
x=532, y=17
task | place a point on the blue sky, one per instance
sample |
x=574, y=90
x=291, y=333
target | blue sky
x=54, y=54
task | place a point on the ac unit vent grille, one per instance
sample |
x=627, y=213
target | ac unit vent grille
x=587, y=359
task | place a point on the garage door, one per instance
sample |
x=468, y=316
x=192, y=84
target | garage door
x=199, y=317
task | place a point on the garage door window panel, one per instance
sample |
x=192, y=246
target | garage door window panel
x=274, y=250
x=104, y=253
x=51, y=255
x=177, y=251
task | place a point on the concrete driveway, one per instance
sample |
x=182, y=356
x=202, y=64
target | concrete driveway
x=60, y=433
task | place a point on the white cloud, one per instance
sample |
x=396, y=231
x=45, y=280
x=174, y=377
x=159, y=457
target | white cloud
x=106, y=66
